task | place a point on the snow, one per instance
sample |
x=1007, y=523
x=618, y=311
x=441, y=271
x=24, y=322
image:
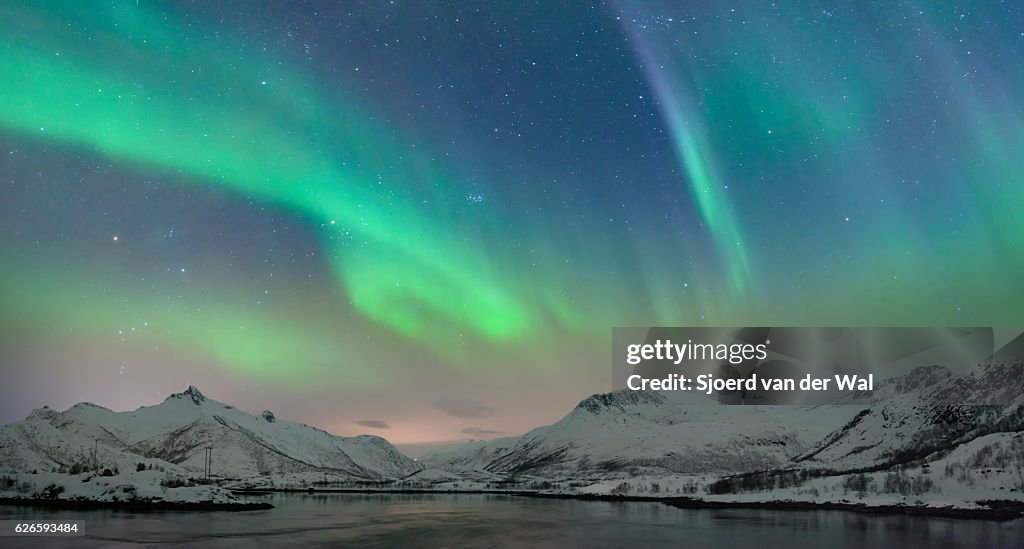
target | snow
x=174, y=436
x=144, y=486
x=903, y=445
x=618, y=433
x=650, y=445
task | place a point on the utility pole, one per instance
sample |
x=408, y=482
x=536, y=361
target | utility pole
x=208, y=463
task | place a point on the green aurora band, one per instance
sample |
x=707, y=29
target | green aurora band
x=793, y=162
x=212, y=124
x=243, y=339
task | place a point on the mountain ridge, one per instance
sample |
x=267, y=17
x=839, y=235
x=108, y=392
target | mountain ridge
x=180, y=429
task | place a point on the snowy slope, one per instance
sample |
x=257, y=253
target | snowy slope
x=180, y=429
x=471, y=458
x=628, y=433
x=913, y=382
x=985, y=473
x=914, y=425
x=994, y=383
x=39, y=443
x=144, y=488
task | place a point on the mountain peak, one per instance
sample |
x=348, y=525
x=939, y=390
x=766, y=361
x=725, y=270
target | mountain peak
x=192, y=393
x=181, y=428
x=620, y=399
x=87, y=406
x=45, y=413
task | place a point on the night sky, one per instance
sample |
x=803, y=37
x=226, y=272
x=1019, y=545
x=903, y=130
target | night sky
x=422, y=219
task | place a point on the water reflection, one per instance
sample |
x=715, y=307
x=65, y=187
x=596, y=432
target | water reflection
x=504, y=521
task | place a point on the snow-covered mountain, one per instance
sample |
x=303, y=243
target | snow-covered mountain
x=629, y=433
x=936, y=418
x=909, y=419
x=180, y=429
x=912, y=382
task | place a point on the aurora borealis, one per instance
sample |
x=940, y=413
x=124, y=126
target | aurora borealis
x=356, y=211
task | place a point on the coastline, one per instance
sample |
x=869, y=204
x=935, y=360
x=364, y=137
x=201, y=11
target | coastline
x=136, y=505
x=994, y=510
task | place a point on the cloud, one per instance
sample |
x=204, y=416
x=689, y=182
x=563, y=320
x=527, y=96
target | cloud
x=463, y=407
x=373, y=423
x=480, y=432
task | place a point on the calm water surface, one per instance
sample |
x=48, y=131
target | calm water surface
x=501, y=521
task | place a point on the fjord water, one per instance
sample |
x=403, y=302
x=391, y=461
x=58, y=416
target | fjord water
x=380, y=520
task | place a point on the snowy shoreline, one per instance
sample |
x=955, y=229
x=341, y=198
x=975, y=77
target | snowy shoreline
x=135, y=491
x=136, y=505
x=996, y=510
x=225, y=500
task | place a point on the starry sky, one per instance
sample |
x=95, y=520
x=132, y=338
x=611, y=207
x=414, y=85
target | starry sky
x=422, y=219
